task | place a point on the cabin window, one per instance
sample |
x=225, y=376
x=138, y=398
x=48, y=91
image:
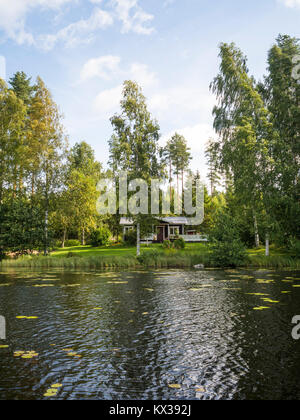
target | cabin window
x=174, y=230
x=128, y=229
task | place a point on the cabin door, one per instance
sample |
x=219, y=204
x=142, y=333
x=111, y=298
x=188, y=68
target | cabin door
x=160, y=234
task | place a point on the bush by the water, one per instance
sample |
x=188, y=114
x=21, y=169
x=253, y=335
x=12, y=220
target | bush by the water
x=148, y=257
x=130, y=238
x=295, y=248
x=100, y=237
x=71, y=243
x=167, y=245
x=227, y=249
x=179, y=243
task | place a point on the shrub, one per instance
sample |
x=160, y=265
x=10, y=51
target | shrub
x=73, y=255
x=295, y=248
x=100, y=237
x=167, y=245
x=130, y=238
x=179, y=243
x=56, y=244
x=148, y=257
x=71, y=243
x=227, y=249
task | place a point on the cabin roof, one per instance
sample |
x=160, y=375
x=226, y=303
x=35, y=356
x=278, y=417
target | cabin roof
x=124, y=221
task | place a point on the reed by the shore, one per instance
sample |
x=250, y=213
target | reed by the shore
x=149, y=259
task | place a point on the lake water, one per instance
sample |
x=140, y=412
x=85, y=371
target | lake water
x=130, y=335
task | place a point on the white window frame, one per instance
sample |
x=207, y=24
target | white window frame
x=174, y=230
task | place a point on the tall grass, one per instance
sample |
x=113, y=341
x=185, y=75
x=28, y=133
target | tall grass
x=275, y=261
x=153, y=258
x=70, y=263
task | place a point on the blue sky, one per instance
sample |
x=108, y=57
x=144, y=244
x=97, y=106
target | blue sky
x=85, y=49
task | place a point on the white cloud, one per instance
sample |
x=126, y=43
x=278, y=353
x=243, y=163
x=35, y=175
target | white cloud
x=109, y=67
x=291, y=3
x=78, y=32
x=107, y=101
x=132, y=16
x=13, y=16
x=105, y=67
x=182, y=100
x=2, y=67
x=142, y=75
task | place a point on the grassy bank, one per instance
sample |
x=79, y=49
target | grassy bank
x=152, y=257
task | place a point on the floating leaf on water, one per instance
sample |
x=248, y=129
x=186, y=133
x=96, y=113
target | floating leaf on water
x=71, y=285
x=261, y=308
x=285, y=292
x=117, y=282
x=18, y=353
x=5, y=284
x=270, y=300
x=71, y=354
x=27, y=354
x=43, y=285
x=132, y=310
x=145, y=313
x=258, y=294
x=4, y=346
x=264, y=281
x=149, y=290
x=201, y=389
x=98, y=309
x=51, y=392
x=296, y=285
x=56, y=386
x=174, y=386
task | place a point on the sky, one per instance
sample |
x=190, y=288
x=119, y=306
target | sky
x=85, y=49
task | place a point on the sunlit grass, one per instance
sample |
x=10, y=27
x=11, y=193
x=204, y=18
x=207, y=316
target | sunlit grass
x=120, y=256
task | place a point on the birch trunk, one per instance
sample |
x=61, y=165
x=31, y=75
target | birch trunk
x=64, y=239
x=256, y=231
x=138, y=240
x=46, y=232
x=267, y=245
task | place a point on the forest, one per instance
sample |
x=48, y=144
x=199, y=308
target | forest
x=48, y=190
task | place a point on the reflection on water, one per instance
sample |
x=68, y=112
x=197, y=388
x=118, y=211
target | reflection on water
x=130, y=335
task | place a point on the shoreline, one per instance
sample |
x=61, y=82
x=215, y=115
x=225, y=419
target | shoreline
x=157, y=261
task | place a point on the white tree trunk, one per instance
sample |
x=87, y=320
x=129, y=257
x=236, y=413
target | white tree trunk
x=267, y=245
x=256, y=231
x=64, y=238
x=138, y=240
x=46, y=233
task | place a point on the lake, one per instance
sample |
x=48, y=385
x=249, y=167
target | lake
x=170, y=334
